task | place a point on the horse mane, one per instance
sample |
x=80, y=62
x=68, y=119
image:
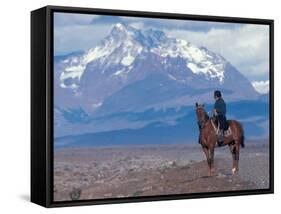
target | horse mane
x=201, y=106
x=206, y=116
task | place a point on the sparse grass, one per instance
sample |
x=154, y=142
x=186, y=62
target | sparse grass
x=59, y=173
x=137, y=193
x=75, y=193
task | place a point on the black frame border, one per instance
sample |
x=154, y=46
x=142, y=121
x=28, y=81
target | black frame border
x=48, y=91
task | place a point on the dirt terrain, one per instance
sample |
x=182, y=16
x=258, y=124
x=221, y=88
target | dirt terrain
x=94, y=173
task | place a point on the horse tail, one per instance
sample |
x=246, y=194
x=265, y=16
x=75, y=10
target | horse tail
x=242, y=141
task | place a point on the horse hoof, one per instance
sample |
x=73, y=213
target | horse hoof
x=233, y=171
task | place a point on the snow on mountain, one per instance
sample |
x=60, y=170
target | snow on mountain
x=199, y=60
x=129, y=56
x=77, y=65
x=261, y=86
x=132, y=43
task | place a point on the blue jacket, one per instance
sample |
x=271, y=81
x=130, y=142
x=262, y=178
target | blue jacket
x=220, y=106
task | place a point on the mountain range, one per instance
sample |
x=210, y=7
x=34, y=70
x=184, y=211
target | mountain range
x=134, y=72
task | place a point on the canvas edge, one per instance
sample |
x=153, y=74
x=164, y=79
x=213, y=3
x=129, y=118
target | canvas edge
x=38, y=186
x=49, y=87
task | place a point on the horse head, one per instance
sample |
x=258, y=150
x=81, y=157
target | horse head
x=202, y=116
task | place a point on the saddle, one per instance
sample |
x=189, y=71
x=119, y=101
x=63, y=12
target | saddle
x=226, y=128
x=225, y=123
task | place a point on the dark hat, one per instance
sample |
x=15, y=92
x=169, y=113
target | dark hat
x=217, y=94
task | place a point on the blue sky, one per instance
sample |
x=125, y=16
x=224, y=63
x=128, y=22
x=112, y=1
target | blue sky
x=246, y=46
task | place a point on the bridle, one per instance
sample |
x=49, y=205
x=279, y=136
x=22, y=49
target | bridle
x=202, y=123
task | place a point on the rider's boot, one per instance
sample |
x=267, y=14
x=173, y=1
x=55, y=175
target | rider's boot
x=220, y=138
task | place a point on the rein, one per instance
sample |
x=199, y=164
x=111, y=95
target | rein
x=214, y=126
x=202, y=123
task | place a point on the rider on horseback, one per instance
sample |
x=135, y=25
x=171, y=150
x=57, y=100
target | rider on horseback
x=208, y=132
x=220, y=112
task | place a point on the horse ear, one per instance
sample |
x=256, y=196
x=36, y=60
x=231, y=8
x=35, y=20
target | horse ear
x=203, y=105
x=196, y=104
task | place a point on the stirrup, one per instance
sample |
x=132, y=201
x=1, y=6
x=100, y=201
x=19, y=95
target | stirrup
x=220, y=143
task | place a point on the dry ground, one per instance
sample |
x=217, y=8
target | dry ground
x=94, y=173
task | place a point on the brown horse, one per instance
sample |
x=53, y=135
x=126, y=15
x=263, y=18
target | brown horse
x=208, y=138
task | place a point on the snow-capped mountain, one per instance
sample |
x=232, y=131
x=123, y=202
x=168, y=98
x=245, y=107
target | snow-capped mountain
x=163, y=71
x=261, y=87
x=132, y=43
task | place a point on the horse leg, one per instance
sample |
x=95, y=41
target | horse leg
x=212, y=152
x=206, y=151
x=235, y=150
x=232, y=151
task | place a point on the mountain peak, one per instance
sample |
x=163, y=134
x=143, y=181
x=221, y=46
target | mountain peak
x=122, y=47
x=122, y=28
x=119, y=27
x=122, y=33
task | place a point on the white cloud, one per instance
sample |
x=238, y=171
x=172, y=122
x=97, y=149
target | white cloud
x=246, y=47
x=75, y=32
x=261, y=86
x=67, y=19
x=138, y=25
x=78, y=37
